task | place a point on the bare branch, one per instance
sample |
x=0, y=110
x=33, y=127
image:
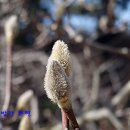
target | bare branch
x=104, y=113
x=122, y=96
x=11, y=30
x=122, y=52
x=8, y=77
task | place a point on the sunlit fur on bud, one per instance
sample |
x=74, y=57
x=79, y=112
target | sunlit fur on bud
x=11, y=29
x=56, y=84
x=61, y=54
x=25, y=123
x=23, y=102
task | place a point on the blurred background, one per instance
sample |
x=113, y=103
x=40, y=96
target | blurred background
x=98, y=36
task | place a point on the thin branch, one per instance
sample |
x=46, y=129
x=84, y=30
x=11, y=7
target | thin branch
x=122, y=52
x=104, y=113
x=11, y=30
x=122, y=96
x=8, y=77
x=107, y=66
x=70, y=114
x=65, y=121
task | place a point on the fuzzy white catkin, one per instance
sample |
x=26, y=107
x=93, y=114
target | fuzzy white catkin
x=61, y=54
x=11, y=28
x=56, y=84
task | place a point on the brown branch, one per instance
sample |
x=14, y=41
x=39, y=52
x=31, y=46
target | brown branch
x=70, y=114
x=65, y=121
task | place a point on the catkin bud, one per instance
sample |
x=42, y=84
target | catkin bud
x=25, y=123
x=11, y=29
x=24, y=99
x=56, y=84
x=61, y=54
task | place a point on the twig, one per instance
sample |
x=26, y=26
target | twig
x=8, y=77
x=122, y=96
x=122, y=52
x=104, y=113
x=70, y=114
x=107, y=66
x=11, y=30
x=65, y=121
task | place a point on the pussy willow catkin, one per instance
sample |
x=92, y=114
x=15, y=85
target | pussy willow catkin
x=61, y=54
x=56, y=81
